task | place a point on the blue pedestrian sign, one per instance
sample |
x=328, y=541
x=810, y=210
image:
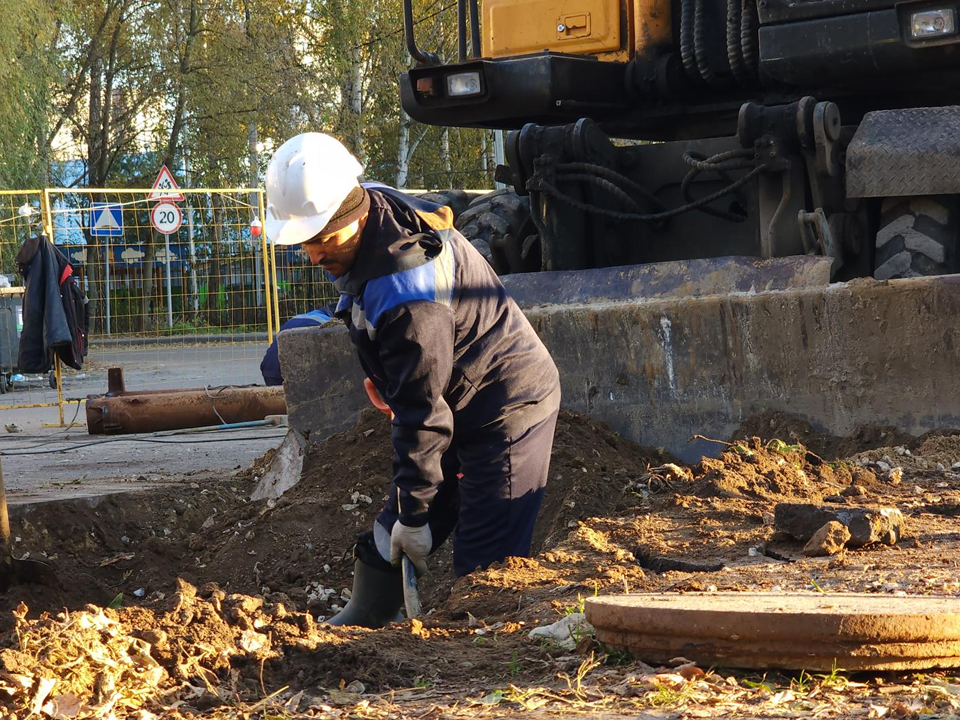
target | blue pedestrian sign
x=106, y=219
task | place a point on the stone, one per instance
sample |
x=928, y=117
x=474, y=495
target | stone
x=566, y=633
x=801, y=521
x=853, y=491
x=828, y=540
x=790, y=631
x=863, y=477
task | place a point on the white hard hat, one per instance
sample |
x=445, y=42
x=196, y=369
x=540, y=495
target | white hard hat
x=308, y=177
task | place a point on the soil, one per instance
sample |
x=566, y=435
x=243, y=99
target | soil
x=192, y=600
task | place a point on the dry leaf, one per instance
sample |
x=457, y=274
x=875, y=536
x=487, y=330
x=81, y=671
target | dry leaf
x=944, y=687
x=670, y=681
x=784, y=696
x=690, y=672
x=63, y=706
x=44, y=687
x=293, y=704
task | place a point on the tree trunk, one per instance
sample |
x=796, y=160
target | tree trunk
x=445, y=156
x=95, y=270
x=403, y=150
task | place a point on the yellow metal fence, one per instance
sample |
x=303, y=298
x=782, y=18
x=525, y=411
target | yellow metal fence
x=193, y=306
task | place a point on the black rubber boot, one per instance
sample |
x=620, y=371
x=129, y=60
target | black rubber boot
x=377, y=589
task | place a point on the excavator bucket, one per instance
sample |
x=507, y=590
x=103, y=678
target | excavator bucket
x=668, y=351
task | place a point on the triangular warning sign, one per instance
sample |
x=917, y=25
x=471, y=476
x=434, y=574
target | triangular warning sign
x=106, y=220
x=165, y=187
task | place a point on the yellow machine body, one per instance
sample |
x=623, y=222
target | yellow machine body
x=611, y=30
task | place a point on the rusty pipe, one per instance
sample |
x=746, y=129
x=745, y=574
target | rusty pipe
x=157, y=411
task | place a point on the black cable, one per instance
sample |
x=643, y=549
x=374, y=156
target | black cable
x=730, y=160
x=613, y=176
x=720, y=163
x=603, y=184
x=13, y=453
x=542, y=185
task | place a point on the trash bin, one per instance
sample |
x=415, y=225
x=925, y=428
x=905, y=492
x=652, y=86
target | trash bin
x=11, y=325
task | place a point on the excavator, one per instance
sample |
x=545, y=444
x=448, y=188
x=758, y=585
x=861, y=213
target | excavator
x=713, y=212
x=644, y=131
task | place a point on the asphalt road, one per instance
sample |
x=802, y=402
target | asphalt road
x=62, y=468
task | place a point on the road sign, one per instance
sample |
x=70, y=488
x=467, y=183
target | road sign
x=165, y=187
x=106, y=219
x=166, y=217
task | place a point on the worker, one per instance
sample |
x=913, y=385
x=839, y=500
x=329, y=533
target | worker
x=473, y=393
x=270, y=364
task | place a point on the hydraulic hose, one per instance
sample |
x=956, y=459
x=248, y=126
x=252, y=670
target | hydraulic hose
x=700, y=48
x=735, y=42
x=607, y=181
x=748, y=36
x=687, y=53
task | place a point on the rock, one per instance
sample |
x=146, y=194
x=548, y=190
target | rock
x=854, y=491
x=801, y=521
x=828, y=540
x=156, y=637
x=564, y=633
x=864, y=477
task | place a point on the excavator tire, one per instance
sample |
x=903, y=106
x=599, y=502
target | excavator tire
x=491, y=218
x=917, y=237
x=456, y=200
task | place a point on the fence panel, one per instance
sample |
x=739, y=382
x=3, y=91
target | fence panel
x=190, y=308
x=20, y=218
x=300, y=286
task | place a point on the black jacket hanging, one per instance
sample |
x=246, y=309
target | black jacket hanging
x=54, y=309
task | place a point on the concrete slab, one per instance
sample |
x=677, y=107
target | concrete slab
x=661, y=370
x=785, y=631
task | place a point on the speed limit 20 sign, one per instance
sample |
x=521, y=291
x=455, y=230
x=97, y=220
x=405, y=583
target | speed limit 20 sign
x=166, y=218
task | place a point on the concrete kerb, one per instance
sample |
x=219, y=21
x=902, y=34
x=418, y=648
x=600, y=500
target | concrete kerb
x=178, y=340
x=661, y=370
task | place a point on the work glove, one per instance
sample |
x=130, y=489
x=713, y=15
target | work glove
x=415, y=542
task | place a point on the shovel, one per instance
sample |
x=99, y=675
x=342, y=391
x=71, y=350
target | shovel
x=286, y=467
x=14, y=571
x=411, y=591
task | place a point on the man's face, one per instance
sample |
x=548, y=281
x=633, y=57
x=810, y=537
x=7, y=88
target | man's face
x=335, y=253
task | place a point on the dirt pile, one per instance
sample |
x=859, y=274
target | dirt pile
x=617, y=518
x=752, y=469
x=298, y=545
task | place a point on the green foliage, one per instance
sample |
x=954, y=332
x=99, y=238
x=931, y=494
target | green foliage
x=123, y=86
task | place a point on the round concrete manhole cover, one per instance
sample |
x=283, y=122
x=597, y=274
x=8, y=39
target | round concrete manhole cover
x=788, y=631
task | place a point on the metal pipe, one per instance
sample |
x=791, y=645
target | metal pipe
x=475, y=43
x=157, y=411
x=462, y=30
x=422, y=58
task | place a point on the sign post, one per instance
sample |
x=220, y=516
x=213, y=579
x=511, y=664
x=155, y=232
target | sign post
x=166, y=218
x=106, y=220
